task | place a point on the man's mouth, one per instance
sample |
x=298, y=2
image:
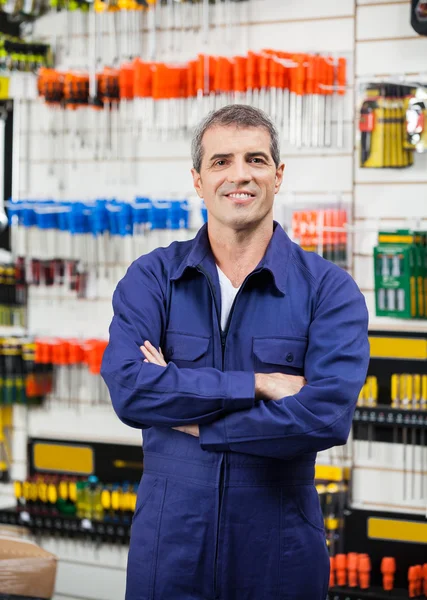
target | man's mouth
x=240, y=195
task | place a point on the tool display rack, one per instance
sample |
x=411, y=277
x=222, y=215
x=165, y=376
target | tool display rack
x=69, y=527
x=391, y=352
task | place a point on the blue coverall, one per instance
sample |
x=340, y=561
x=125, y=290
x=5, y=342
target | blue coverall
x=234, y=514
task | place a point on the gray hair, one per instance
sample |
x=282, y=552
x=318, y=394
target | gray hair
x=239, y=115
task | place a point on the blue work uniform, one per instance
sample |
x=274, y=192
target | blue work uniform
x=234, y=514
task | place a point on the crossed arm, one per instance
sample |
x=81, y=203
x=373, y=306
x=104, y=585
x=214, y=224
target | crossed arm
x=272, y=386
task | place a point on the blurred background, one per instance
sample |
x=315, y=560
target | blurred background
x=98, y=102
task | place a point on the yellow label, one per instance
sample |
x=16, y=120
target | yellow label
x=63, y=458
x=395, y=239
x=398, y=347
x=4, y=87
x=329, y=473
x=397, y=531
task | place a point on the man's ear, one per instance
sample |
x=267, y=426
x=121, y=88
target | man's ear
x=279, y=177
x=197, y=182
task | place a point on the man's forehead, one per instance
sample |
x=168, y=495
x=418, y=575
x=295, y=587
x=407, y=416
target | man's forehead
x=223, y=138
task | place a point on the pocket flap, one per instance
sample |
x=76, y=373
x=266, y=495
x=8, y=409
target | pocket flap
x=185, y=346
x=288, y=352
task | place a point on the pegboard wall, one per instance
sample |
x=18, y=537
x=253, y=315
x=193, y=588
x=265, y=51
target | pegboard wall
x=376, y=39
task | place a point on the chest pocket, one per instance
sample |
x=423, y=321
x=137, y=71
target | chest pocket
x=279, y=355
x=186, y=350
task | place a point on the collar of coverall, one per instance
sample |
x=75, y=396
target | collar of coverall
x=275, y=260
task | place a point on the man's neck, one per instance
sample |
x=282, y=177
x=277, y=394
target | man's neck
x=237, y=253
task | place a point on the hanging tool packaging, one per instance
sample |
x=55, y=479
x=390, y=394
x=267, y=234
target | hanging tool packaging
x=392, y=125
x=400, y=263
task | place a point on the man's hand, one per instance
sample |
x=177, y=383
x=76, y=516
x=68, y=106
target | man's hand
x=152, y=355
x=189, y=429
x=155, y=357
x=275, y=386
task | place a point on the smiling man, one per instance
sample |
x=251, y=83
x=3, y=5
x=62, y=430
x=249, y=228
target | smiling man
x=240, y=356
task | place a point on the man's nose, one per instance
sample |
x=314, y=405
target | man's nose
x=239, y=172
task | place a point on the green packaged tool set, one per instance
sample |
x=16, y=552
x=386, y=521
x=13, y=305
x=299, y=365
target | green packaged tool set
x=400, y=267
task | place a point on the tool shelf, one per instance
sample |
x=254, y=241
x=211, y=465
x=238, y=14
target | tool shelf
x=392, y=417
x=374, y=593
x=68, y=526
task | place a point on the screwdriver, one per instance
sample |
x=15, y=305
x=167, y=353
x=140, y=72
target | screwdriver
x=388, y=569
x=413, y=582
x=332, y=571
x=415, y=406
x=405, y=394
x=425, y=579
x=342, y=81
x=352, y=562
x=395, y=400
x=364, y=570
x=423, y=407
x=341, y=569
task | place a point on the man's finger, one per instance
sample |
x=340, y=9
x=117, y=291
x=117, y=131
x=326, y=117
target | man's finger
x=153, y=350
x=149, y=357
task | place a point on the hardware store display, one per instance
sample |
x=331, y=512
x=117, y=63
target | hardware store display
x=13, y=295
x=58, y=245
x=391, y=125
x=400, y=261
x=303, y=94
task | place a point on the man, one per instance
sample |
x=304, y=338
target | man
x=263, y=350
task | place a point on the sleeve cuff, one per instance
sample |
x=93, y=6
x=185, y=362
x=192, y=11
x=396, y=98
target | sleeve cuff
x=213, y=436
x=241, y=391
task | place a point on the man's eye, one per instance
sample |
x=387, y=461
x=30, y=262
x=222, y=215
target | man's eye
x=257, y=160
x=219, y=163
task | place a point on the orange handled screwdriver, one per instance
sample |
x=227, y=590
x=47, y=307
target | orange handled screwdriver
x=425, y=579
x=341, y=569
x=352, y=560
x=332, y=572
x=364, y=568
x=388, y=569
x=412, y=580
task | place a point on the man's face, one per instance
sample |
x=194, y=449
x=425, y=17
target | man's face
x=238, y=178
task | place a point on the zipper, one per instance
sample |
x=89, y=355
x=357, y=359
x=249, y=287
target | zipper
x=223, y=462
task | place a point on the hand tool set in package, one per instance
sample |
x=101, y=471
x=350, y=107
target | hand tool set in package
x=323, y=231
x=13, y=296
x=400, y=267
x=303, y=93
x=392, y=125
x=19, y=55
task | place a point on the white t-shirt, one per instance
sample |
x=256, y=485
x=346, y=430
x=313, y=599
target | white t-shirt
x=228, y=293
